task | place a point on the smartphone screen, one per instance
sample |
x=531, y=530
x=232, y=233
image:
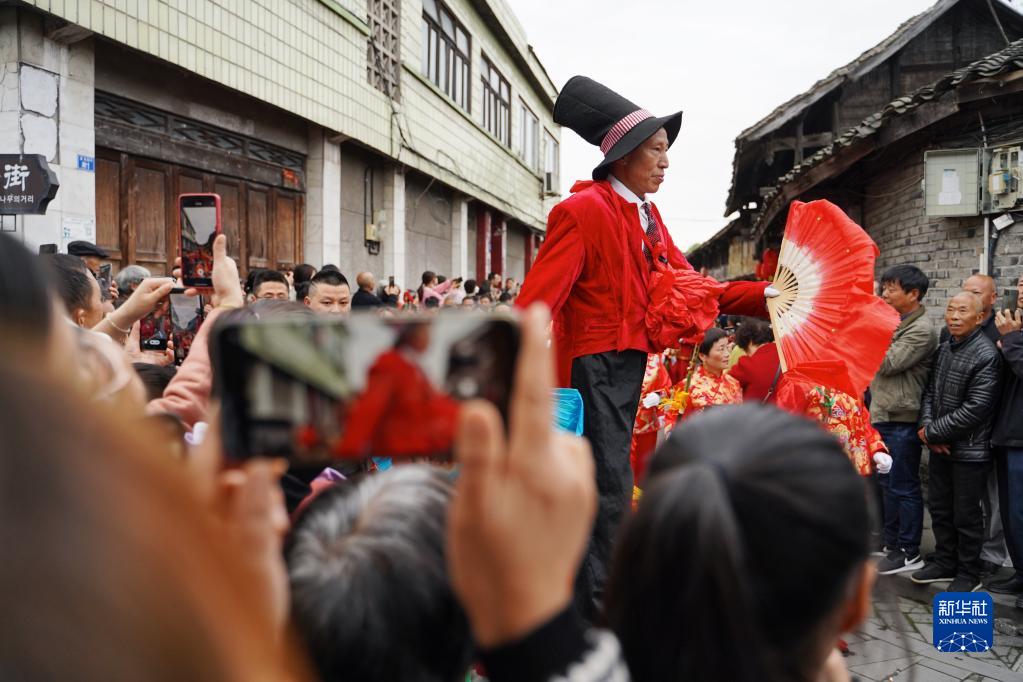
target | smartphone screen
x=155, y=329
x=1011, y=300
x=186, y=318
x=357, y=388
x=200, y=219
x=47, y=248
x=104, y=281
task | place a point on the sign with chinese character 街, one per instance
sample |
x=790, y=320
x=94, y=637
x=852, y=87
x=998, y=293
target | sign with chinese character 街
x=27, y=185
x=964, y=622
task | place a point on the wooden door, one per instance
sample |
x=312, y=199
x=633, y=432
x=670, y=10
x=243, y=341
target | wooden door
x=258, y=226
x=151, y=214
x=108, y=208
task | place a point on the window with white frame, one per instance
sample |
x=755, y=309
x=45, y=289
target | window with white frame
x=496, y=103
x=446, y=52
x=529, y=136
x=551, y=162
x=383, y=67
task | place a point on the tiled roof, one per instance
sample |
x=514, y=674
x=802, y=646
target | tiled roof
x=1011, y=58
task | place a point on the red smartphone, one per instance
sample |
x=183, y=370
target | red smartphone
x=198, y=225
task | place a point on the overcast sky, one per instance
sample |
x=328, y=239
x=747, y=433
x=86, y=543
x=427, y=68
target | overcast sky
x=725, y=64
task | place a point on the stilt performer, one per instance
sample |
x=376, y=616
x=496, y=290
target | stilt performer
x=618, y=289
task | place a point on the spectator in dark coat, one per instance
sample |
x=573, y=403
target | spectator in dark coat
x=956, y=416
x=364, y=297
x=1007, y=440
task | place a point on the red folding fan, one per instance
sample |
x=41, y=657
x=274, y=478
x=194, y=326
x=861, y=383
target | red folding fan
x=827, y=310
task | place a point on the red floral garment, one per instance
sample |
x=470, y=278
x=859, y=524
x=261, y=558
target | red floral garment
x=707, y=390
x=849, y=420
x=656, y=379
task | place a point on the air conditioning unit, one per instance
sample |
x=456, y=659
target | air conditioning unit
x=1005, y=178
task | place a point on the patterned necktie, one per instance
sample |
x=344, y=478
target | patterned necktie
x=652, y=233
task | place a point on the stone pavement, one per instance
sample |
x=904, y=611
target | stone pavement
x=895, y=645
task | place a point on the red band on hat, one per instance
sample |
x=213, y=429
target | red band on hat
x=623, y=126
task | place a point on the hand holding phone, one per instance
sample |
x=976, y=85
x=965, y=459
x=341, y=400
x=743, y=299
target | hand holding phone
x=199, y=224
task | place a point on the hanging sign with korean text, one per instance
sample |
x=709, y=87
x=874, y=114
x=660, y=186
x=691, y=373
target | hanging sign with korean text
x=27, y=185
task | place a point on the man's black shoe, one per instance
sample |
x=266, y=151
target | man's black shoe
x=1011, y=585
x=931, y=573
x=964, y=584
x=988, y=568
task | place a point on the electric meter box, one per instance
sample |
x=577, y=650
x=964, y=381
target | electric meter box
x=952, y=182
x=1005, y=178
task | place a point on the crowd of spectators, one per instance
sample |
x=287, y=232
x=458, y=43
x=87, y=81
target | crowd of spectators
x=138, y=550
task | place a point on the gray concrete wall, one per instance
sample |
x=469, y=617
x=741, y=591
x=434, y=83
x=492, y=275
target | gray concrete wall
x=46, y=107
x=428, y=227
x=355, y=257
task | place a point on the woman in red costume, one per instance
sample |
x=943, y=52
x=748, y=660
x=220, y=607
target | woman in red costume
x=711, y=385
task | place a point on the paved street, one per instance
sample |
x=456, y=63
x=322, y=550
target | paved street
x=896, y=645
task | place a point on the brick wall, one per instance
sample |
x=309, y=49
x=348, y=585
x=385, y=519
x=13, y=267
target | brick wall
x=947, y=250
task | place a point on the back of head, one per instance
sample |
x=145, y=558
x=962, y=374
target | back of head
x=753, y=331
x=88, y=594
x=750, y=530
x=470, y=287
x=303, y=273
x=25, y=295
x=154, y=377
x=369, y=586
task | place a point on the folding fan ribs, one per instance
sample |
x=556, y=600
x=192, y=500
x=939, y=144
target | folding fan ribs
x=827, y=310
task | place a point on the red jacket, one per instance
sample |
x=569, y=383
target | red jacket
x=756, y=373
x=592, y=273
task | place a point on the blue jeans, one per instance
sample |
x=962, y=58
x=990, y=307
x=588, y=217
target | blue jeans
x=1009, y=462
x=903, y=501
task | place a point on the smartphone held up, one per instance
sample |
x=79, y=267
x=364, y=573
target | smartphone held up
x=199, y=223
x=177, y=318
x=316, y=392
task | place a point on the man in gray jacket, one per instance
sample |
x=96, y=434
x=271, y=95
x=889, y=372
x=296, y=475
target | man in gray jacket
x=895, y=409
x=956, y=416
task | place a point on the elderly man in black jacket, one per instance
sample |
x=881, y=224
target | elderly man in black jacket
x=956, y=416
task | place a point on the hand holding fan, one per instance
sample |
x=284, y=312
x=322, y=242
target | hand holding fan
x=826, y=309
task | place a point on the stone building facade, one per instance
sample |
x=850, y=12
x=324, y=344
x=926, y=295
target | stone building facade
x=311, y=118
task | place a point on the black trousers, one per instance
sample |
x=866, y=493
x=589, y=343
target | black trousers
x=957, y=517
x=610, y=384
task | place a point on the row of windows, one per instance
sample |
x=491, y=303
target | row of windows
x=445, y=61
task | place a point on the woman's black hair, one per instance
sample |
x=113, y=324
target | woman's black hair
x=749, y=532
x=303, y=273
x=72, y=278
x=753, y=331
x=712, y=336
x=25, y=290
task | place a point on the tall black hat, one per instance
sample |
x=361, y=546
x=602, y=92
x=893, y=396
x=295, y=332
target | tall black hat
x=604, y=118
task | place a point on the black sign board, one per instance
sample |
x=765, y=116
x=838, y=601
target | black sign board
x=27, y=184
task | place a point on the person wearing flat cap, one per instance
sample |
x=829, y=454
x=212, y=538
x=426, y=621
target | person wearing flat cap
x=593, y=272
x=89, y=252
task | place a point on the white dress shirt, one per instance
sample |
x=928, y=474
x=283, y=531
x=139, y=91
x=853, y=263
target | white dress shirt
x=630, y=196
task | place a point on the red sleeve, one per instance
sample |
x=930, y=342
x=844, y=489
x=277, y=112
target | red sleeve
x=557, y=266
x=744, y=298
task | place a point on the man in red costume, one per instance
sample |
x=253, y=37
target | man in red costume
x=593, y=271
